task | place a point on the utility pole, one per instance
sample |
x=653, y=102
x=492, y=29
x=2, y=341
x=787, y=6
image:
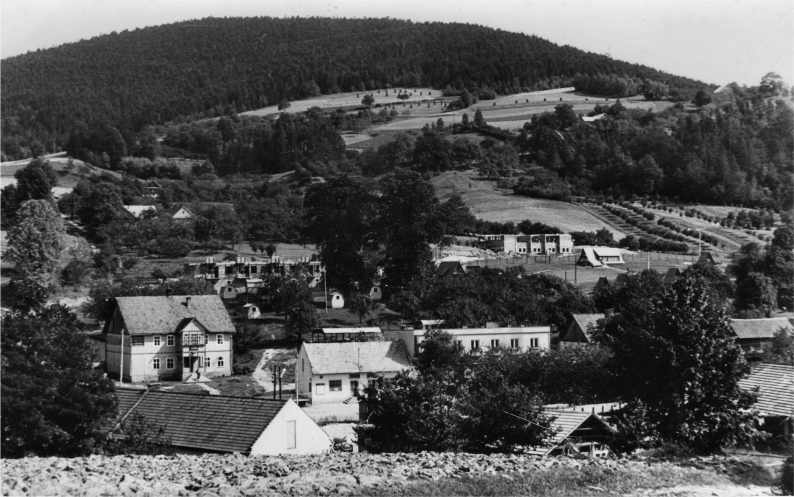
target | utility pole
x=121, y=355
x=325, y=288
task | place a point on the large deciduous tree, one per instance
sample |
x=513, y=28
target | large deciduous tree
x=678, y=365
x=339, y=217
x=54, y=403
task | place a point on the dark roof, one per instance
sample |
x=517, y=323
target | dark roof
x=215, y=423
x=775, y=383
x=450, y=267
x=127, y=398
x=763, y=328
x=586, y=323
x=164, y=314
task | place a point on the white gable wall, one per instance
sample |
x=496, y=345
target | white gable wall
x=279, y=438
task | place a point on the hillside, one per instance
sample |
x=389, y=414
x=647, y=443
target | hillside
x=212, y=66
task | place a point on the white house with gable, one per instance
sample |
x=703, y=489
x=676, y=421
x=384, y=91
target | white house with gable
x=336, y=371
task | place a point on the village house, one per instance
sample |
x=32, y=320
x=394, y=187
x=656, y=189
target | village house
x=755, y=334
x=599, y=256
x=222, y=424
x=537, y=244
x=337, y=371
x=774, y=384
x=137, y=211
x=178, y=337
x=579, y=332
x=517, y=338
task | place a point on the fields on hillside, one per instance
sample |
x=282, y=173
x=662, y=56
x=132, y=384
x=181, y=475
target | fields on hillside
x=69, y=171
x=381, y=96
x=489, y=203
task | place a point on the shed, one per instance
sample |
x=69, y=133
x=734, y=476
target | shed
x=774, y=384
x=577, y=432
x=754, y=334
x=600, y=256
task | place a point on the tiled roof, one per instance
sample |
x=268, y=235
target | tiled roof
x=565, y=423
x=775, y=383
x=759, y=328
x=162, y=315
x=586, y=322
x=214, y=423
x=357, y=357
x=127, y=398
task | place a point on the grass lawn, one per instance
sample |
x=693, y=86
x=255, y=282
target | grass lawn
x=238, y=386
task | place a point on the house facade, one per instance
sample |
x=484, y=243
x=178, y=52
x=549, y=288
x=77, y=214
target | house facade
x=168, y=338
x=537, y=244
x=518, y=338
x=335, y=372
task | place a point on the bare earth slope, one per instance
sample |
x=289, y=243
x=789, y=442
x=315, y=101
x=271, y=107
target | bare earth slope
x=368, y=474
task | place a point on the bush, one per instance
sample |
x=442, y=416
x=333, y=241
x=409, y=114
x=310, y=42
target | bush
x=787, y=477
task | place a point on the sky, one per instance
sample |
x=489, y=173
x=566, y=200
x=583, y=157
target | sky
x=716, y=41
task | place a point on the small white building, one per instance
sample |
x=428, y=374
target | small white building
x=517, y=338
x=137, y=211
x=337, y=371
x=532, y=244
x=218, y=423
x=600, y=256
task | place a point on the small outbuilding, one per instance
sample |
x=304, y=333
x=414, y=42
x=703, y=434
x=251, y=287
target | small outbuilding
x=755, y=334
x=774, y=384
x=600, y=256
x=579, y=332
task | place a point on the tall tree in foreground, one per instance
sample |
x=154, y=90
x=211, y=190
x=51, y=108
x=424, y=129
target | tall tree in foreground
x=408, y=222
x=54, y=403
x=678, y=366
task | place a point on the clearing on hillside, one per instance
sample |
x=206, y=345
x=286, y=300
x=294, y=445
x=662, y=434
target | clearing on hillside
x=491, y=204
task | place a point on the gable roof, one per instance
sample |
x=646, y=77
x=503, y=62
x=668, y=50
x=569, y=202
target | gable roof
x=748, y=329
x=586, y=323
x=357, y=357
x=138, y=210
x=775, y=383
x=154, y=315
x=450, y=267
x=216, y=423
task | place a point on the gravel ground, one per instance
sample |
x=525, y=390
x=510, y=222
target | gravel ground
x=329, y=474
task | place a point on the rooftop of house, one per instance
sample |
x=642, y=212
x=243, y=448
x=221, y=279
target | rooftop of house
x=750, y=329
x=337, y=331
x=357, y=357
x=216, y=423
x=586, y=322
x=151, y=315
x=775, y=383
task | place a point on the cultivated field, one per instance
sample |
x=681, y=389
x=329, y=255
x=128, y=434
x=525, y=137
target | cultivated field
x=381, y=96
x=489, y=203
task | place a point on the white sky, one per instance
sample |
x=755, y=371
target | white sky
x=716, y=41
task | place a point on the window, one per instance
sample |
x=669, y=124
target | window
x=137, y=340
x=292, y=441
x=157, y=340
x=355, y=375
x=219, y=338
x=459, y=343
x=335, y=385
x=156, y=363
x=494, y=343
x=514, y=343
x=475, y=345
x=319, y=388
x=220, y=362
x=207, y=362
x=169, y=340
x=533, y=342
x=169, y=363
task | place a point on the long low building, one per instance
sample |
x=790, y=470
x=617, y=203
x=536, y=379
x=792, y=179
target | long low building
x=518, y=338
x=217, y=423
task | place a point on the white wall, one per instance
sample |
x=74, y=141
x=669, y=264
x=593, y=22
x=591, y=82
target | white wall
x=524, y=334
x=278, y=438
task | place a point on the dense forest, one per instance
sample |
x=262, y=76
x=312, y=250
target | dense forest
x=219, y=66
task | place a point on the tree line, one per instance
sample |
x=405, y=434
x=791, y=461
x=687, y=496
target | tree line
x=217, y=66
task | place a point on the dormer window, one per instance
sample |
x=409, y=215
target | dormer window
x=219, y=338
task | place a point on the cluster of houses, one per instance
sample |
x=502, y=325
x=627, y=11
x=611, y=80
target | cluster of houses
x=190, y=337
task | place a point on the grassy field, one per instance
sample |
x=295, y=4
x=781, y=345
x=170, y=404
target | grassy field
x=489, y=203
x=381, y=96
x=69, y=172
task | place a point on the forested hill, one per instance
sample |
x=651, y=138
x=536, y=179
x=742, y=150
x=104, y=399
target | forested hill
x=215, y=65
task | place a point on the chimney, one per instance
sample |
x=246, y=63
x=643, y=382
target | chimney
x=187, y=301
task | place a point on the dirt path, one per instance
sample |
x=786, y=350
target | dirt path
x=262, y=374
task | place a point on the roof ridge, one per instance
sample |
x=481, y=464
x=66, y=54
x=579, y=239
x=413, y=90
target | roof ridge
x=198, y=394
